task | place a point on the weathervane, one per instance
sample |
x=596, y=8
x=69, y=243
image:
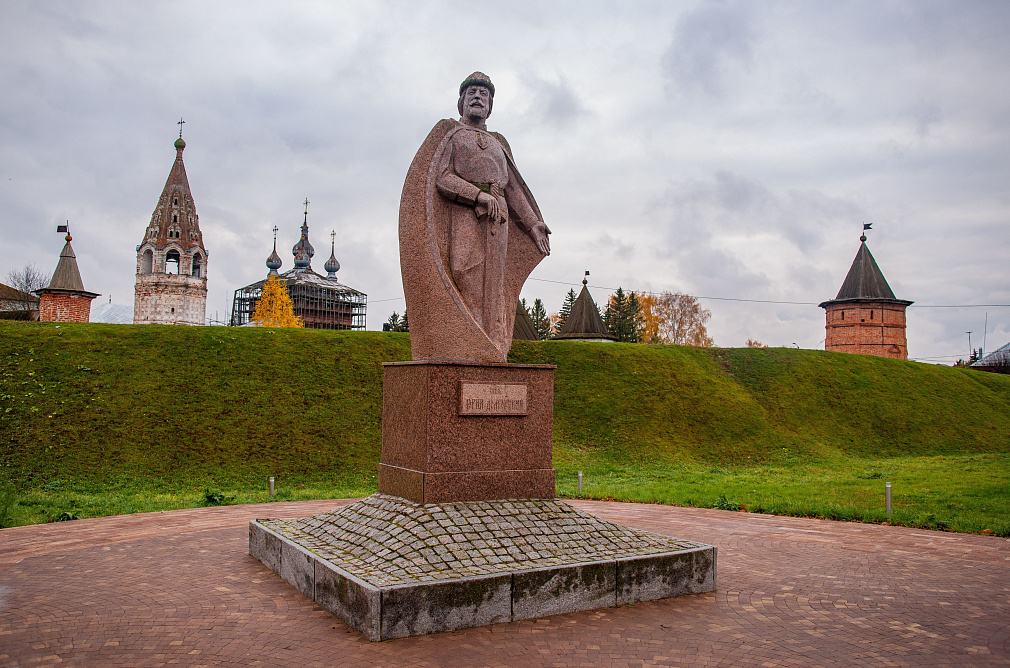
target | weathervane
x=866, y=226
x=180, y=126
x=65, y=229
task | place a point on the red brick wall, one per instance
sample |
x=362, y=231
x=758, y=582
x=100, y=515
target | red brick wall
x=59, y=307
x=869, y=328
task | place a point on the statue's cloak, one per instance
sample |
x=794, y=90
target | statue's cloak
x=441, y=327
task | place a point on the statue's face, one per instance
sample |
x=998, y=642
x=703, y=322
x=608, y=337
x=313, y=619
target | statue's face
x=476, y=103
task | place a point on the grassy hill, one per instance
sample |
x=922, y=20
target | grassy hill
x=147, y=411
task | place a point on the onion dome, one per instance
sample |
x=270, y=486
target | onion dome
x=180, y=143
x=274, y=262
x=302, y=260
x=303, y=244
x=332, y=266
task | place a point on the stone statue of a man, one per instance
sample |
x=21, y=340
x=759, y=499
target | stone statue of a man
x=484, y=235
x=474, y=176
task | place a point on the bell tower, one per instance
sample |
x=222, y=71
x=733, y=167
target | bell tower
x=171, y=286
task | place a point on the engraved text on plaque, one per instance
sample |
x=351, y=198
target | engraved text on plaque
x=492, y=398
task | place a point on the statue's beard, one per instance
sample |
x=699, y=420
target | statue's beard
x=476, y=112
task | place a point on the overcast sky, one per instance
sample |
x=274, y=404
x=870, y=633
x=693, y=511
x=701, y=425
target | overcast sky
x=724, y=149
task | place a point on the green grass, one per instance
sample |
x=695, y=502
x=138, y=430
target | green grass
x=967, y=493
x=54, y=501
x=104, y=419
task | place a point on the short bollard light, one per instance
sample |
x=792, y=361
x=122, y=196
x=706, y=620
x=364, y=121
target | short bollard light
x=270, y=481
x=580, y=482
x=887, y=496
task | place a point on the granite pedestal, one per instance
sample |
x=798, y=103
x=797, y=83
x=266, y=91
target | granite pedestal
x=465, y=530
x=457, y=431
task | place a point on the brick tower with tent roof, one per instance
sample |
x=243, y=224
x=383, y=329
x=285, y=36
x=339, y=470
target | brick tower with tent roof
x=865, y=317
x=65, y=299
x=171, y=285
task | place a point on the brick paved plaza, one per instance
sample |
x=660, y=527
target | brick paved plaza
x=179, y=587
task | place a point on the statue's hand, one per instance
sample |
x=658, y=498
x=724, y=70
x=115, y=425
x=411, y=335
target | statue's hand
x=491, y=203
x=539, y=233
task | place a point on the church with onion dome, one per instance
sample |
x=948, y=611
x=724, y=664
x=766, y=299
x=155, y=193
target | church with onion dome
x=322, y=302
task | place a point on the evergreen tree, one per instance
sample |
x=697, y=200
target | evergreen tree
x=623, y=316
x=634, y=316
x=541, y=323
x=397, y=324
x=274, y=308
x=613, y=314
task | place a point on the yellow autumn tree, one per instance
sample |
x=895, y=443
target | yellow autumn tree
x=650, y=318
x=274, y=308
x=674, y=317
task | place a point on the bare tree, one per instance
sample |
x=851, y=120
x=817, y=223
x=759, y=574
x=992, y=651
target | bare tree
x=27, y=279
x=17, y=298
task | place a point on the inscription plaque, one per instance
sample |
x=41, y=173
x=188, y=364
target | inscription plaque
x=492, y=398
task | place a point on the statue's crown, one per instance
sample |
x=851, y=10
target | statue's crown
x=477, y=79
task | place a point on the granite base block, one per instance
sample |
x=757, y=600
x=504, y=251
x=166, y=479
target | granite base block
x=665, y=575
x=390, y=568
x=353, y=601
x=265, y=545
x=557, y=591
x=460, y=603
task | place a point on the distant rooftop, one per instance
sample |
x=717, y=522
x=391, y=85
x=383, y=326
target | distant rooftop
x=999, y=356
x=115, y=314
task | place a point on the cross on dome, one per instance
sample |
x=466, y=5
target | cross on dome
x=332, y=266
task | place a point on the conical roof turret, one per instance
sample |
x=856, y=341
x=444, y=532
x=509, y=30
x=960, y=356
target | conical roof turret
x=865, y=281
x=67, y=276
x=523, y=328
x=584, y=321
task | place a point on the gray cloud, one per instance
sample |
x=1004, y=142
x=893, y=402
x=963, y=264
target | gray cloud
x=553, y=102
x=710, y=44
x=728, y=149
x=607, y=247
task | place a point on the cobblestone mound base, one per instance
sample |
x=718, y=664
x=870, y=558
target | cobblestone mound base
x=391, y=568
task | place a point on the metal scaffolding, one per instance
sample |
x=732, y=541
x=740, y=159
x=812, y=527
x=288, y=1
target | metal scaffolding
x=321, y=303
